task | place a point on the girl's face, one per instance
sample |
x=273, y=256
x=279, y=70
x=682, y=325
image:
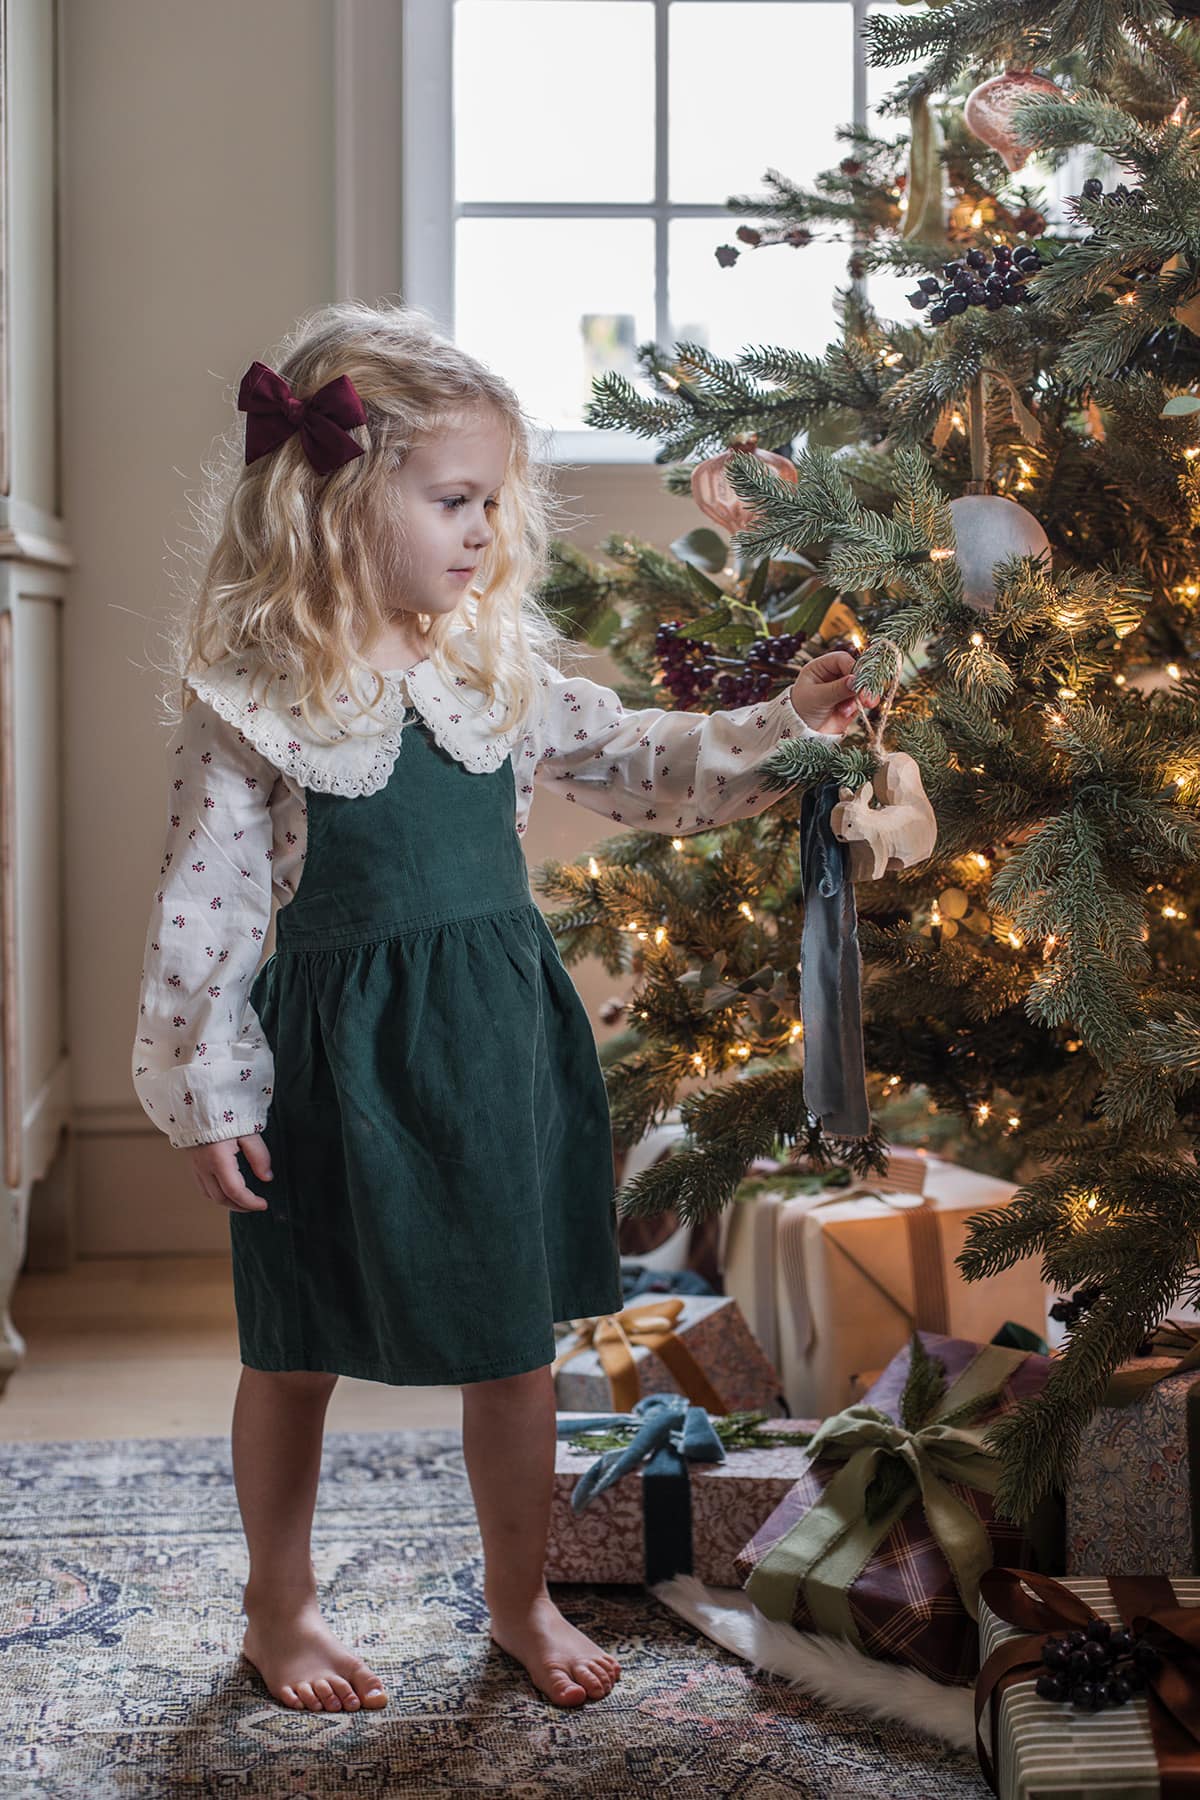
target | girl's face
x=451, y=488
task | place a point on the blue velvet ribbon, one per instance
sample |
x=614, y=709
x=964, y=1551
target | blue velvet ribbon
x=835, y=1077
x=671, y=1433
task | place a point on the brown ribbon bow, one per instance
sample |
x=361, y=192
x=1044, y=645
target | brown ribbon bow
x=323, y=419
x=1147, y=1605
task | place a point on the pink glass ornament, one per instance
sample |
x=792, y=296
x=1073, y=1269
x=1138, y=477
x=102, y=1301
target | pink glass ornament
x=715, y=497
x=988, y=111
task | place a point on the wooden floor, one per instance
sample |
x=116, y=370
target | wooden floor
x=126, y=1347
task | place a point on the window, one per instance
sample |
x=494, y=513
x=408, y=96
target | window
x=565, y=166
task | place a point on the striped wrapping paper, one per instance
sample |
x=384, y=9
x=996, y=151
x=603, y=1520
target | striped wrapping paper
x=1048, y=1750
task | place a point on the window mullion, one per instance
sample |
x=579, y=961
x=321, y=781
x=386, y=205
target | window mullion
x=662, y=126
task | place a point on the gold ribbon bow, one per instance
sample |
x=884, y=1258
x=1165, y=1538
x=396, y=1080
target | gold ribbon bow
x=613, y=1335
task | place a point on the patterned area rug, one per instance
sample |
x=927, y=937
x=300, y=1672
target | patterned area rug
x=121, y=1625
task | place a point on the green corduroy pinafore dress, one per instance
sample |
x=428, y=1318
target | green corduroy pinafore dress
x=439, y=1127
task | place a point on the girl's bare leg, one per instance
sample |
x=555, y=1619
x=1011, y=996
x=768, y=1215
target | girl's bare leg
x=508, y=1445
x=278, y=1425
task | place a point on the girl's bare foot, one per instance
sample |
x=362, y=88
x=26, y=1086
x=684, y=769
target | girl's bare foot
x=563, y=1664
x=303, y=1663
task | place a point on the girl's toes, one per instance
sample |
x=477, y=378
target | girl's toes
x=290, y=1697
x=591, y=1679
x=369, y=1688
x=325, y=1694
x=344, y=1691
x=566, y=1687
x=309, y=1698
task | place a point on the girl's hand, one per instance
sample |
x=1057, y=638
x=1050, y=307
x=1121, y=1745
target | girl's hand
x=822, y=695
x=217, y=1174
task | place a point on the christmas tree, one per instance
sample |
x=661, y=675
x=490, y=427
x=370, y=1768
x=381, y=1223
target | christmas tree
x=1005, y=483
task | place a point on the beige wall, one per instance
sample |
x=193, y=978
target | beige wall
x=197, y=226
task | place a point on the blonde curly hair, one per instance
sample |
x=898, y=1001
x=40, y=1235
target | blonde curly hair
x=300, y=568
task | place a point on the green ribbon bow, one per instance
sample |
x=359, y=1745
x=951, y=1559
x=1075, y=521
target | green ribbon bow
x=824, y=1552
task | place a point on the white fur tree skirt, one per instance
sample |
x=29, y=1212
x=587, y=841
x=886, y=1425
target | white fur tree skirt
x=828, y=1668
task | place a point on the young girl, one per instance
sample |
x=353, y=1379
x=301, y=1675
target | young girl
x=403, y=1108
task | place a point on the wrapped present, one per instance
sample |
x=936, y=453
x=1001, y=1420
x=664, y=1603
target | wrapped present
x=693, y=1344
x=1133, y=1499
x=833, y=1272
x=1140, y=1748
x=883, y=1538
x=673, y=1501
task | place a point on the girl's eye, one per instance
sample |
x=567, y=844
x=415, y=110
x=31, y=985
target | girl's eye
x=454, y=501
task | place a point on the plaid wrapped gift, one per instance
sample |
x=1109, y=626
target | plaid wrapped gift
x=680, y=1513
x=1133, y=1499
x=693, y=1344
x=893, y=1570
x=1147, y=1749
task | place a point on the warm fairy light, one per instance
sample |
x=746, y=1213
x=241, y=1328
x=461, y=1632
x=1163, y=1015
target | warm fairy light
x=939, y=553
x=982, y=1111
x=1173, y=912
x=593, y=867
x=1189, y=590
x=698, y=1060
x=1118, y=681
x=935, y=917
x=857, y=639
x=1192, y=452
x=1026, y=468
x=977, y=856
x=660, y=934
x=1126, y=299
x=1073, y=1044
x=747, y=909
x=1051, y=941
x=977, y=638
x=1066, y=693
x=956, y=419
x=893, y=1081
x=1014, y=938
x=892, y=358
x=977, y=218
x=1093, y=1201
x=742, y=1050
x=677, y=843
x=1173, y=671
x=633, y=925
x=796, y=1031
x=1014, y=1119
x=1054, y=717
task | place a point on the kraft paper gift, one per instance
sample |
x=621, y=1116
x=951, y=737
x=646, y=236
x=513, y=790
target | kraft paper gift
x=676, y=1514
x=833, y=1281
x=693, y=1344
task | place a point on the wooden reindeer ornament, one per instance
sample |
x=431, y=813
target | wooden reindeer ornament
x=889, y=823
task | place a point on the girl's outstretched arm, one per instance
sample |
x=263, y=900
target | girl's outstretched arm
x=201, y=1067
x=653, y=769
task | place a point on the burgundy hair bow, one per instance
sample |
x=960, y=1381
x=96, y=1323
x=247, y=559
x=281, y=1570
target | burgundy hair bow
x=274, y=413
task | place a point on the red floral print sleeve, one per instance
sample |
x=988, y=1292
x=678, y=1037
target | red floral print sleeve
x=652, y=769
x=201, y=1067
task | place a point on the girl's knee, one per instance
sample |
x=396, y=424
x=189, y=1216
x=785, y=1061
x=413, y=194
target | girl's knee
x=294, y=1381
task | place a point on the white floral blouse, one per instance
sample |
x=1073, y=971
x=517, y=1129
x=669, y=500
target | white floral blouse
x=236, y=835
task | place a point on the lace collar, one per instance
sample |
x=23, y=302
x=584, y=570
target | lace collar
x=360, y=761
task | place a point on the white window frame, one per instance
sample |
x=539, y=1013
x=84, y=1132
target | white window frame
x=397, y=213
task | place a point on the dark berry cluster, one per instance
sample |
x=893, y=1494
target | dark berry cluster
x=691, y=666
x=1068, y=1312
x=1102, y=1665
x=1093, y=189
x=978, y=280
